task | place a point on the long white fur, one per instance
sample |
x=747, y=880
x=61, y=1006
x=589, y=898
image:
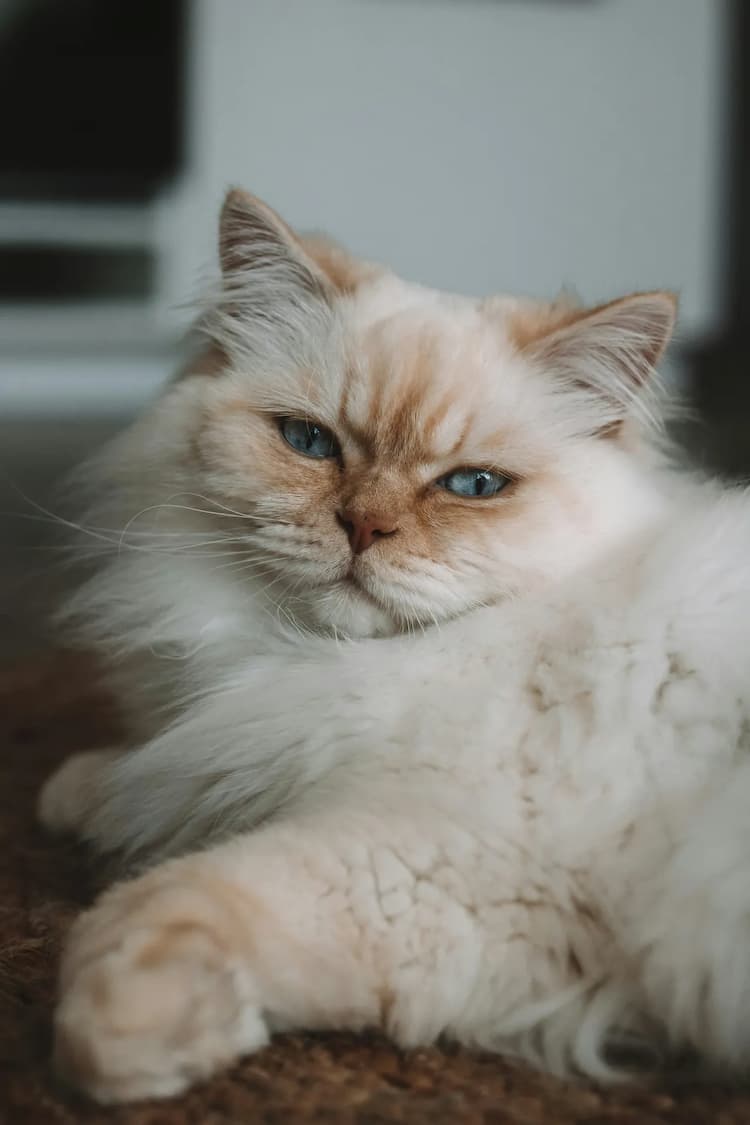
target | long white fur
x=564, y=772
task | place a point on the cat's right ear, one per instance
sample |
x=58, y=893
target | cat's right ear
x=261, y=256
x=255, y=244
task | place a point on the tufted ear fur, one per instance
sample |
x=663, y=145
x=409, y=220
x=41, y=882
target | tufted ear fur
x=274, y=303
x=252, y=236
x=276, y=293
x=256, y=245
x=610, y=351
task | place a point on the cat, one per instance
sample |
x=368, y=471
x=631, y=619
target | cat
x=435, y=665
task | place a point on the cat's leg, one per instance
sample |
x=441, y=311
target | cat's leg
x=73, y=791
x=225, y=765
x=182, y=970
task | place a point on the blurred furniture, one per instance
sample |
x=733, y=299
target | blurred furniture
x=719, y=368
x=92, y=138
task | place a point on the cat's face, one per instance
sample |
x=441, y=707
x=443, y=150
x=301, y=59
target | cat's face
x=403, y=455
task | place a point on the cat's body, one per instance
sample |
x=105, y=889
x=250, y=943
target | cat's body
x=513, y=810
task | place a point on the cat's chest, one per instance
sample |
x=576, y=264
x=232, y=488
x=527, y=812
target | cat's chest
x=564, y=740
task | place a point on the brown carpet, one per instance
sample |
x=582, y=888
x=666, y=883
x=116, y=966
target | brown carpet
x=48, y=709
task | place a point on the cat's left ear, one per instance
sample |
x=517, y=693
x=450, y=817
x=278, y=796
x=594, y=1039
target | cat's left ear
x=611, y=350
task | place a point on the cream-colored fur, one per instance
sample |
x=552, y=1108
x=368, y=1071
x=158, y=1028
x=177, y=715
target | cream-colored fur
x=485, y=779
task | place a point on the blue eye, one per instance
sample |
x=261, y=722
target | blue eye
x=476, y=483
x=308, y=438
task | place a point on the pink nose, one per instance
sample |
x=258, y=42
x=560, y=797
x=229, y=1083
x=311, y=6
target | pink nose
x=363, y=530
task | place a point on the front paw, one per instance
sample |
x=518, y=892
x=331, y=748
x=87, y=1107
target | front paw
x=155, y=993
x=71, y=793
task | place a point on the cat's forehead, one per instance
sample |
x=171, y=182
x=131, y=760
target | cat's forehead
x=425, y=373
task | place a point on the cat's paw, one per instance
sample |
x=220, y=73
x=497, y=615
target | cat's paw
x=154, y=993
x=70, y=793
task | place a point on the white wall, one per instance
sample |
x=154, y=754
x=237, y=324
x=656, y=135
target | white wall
x=476, y=145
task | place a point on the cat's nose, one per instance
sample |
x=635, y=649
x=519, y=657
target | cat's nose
x=365, y=529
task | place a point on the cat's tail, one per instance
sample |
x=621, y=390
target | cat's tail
x=681, y=1001
x=690, y=935
x=596, y=1029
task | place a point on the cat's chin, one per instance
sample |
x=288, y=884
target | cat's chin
x=348, y=609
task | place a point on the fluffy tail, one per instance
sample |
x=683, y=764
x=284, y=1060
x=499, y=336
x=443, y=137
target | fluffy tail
x=691, y=930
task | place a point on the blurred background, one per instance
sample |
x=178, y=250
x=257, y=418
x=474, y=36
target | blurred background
x=474, y=145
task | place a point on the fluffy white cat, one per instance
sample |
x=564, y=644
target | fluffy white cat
x=437, y=678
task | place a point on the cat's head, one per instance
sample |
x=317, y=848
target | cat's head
x=404, y=455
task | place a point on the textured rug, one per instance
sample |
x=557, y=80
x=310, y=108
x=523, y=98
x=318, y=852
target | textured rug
x=49, y=708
